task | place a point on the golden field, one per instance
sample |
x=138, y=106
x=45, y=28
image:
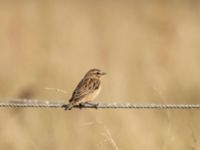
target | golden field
x=150, y=50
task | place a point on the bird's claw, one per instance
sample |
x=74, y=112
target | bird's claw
x=64, y=106
x=81, y=105
x=96, y=105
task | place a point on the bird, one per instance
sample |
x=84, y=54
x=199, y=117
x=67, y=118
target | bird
x=87, y=89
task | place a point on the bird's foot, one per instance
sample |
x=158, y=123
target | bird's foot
x=65, y=106
x=81, y=105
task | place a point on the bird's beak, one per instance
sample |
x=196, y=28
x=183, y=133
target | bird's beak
x=103, y=73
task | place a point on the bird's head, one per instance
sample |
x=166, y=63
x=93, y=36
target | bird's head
x=95, y=73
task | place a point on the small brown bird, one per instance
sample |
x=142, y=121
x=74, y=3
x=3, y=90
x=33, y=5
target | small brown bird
x=87, y=89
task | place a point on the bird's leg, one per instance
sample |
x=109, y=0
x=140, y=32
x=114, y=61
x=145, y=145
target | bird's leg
x=92, y=104
x=81, y=105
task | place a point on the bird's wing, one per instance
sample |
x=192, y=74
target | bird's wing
x=85, y=87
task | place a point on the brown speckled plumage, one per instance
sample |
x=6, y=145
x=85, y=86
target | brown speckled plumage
x=87, y=89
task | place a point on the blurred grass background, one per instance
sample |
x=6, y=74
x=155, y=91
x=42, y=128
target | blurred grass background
x=150, y=50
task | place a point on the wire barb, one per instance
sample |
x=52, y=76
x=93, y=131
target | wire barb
x=61, y=104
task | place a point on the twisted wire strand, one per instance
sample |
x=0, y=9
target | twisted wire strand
x=61, y=104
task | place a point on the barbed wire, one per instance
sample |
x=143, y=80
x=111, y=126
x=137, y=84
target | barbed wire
x=60, y=104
